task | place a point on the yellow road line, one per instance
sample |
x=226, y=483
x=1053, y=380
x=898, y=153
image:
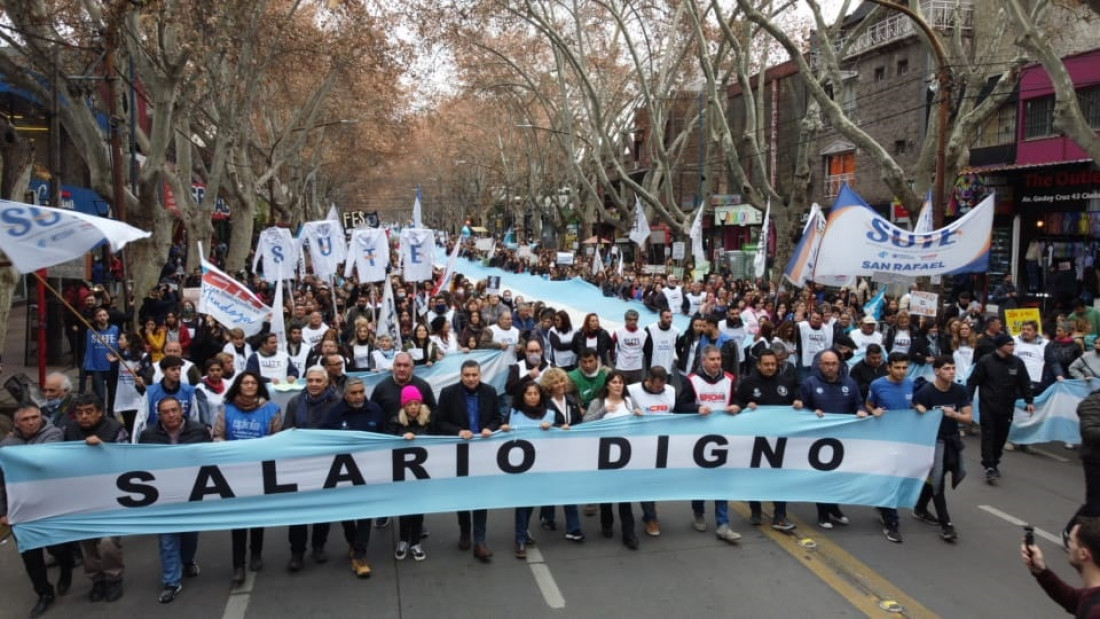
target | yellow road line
x=856, y=582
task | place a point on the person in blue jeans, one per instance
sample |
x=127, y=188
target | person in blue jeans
x=893, y=392
x=177, y=550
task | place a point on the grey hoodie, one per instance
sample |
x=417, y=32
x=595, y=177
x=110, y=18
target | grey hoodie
x=48, y=434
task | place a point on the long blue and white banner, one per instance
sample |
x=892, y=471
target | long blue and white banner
x=72, y=491
x=1055, y=416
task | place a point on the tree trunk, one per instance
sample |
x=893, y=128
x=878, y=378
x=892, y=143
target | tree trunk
x=199, y=230
x=145, y=258
x=15, y=162
x=240, y=240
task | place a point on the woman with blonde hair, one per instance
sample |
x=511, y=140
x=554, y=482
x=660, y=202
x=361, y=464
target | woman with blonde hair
x=568, y=412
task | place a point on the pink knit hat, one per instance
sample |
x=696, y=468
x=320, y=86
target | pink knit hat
x=410, y=394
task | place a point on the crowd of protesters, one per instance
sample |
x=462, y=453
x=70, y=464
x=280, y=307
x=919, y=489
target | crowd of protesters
x=749, y=344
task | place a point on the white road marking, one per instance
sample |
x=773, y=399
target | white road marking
x=544, y=579
x=1050, y=537
x=239, y=597
x=1047, y=454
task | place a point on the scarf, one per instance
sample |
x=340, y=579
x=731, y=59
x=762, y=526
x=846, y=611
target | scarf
x=216, y=387
x=248, y=404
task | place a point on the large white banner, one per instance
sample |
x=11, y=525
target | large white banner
x=417, y=254
x=641, y=230
x=369, y=253
x=278, y=251
x=858, y=241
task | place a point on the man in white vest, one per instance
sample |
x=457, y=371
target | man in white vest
x=674, y=294
x=628, y=352
x=694, y=299
x=1031, y=349
x=314, y=330
x=270, y=362
x=660, y=343
x=504, y=336
x=654, y=396
x=711, y=389
x=190, y=373
x=867, y=333
x=813, y=337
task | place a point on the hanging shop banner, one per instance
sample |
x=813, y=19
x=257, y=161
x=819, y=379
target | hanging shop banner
x=301, y=476
x=859, y=241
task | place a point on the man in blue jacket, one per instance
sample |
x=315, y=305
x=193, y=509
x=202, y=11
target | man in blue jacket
x=827, y=390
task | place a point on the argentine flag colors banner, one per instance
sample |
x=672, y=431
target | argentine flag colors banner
x=858, y=241
x=302, y=476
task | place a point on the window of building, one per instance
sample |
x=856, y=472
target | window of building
x=839, y=169
x=900, y=147
x=1039, y=118
x=903, y=66
x=1089, y=98
x=999, y=129
x=880, y=74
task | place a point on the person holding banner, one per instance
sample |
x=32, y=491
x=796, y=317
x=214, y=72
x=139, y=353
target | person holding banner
x=414, y=420
x=469, y=408
x=103, y=562
x=568, y=413
x=1002, y=377
x=30, y=427
x=945, y=395
x=893, y=392
x=177, y=550
x=615, y=402
x=529, y=412
x=248, y=414
x=828, y=390
x=354, y=412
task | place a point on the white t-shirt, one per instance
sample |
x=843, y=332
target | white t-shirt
x=653, y=403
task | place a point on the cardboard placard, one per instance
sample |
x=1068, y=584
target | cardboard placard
x=678, y=249
x=1015, y=319
x=923, y=303
x=492, y=284
x=565, y=258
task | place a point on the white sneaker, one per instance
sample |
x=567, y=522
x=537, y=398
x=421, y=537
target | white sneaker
x=418, y=553
x=402, y=551
x=726, y=534
x=1010, y=447
x=699, y=521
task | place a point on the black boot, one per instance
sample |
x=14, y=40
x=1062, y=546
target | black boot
x=114, y=591
x=98, y=592
x=43, y=604
x=65, y=581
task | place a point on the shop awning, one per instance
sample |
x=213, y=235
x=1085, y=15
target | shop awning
x=1002, y=167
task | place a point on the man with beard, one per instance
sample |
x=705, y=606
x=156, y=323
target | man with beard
x=765, y=386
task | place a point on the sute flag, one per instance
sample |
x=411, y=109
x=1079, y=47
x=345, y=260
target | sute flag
x=327, y=246
x=760, y=262
x=369, y=253
x=37, y=237
x=277, y=250
x=417, y=254
x=388, y=323
x=641, y=230
x=230, y=302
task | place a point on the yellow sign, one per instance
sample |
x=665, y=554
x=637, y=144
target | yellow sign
x=1015, y=319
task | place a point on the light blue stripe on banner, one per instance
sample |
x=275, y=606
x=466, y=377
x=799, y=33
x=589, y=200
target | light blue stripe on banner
x=576, y=293
x=1061, y=429
x=440, y=495
x=26, y=463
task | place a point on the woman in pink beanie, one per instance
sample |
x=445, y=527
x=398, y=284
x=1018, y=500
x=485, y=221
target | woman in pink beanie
x=413, y=420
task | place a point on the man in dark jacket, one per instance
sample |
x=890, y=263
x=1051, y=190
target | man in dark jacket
x=869, y=368
x=1088, y=410
x=308, y=410
x=469, y=408
x=177, y=550
x=102, y=556
x=30, y=427
x=1002, y=377
x=765, y=386
x=387, y=393
x=356, y=413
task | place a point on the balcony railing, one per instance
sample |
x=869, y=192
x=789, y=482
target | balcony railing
x=940, y=14
x=833, y=183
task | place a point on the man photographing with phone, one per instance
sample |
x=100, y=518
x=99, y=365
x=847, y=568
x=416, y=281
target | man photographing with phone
x=1083, y=551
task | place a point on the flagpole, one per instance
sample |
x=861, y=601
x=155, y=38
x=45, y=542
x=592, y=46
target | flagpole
x=83, y=321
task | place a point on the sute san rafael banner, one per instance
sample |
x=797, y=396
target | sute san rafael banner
x=858, y=241
x=71, y=491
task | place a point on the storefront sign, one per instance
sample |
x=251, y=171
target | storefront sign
x=1065, y=187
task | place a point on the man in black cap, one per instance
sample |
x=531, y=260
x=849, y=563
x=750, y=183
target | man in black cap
x=1002, y=377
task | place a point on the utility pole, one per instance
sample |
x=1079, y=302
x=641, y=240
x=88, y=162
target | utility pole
x=114, y=123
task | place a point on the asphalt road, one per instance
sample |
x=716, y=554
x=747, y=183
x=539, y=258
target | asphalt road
x=849, y=571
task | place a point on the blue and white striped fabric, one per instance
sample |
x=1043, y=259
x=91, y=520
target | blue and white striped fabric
x=1055, y=417
x=71, y=491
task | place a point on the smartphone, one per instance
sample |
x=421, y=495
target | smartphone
x=1029, y=537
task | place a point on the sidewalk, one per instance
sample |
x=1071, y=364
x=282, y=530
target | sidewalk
x=14, y=349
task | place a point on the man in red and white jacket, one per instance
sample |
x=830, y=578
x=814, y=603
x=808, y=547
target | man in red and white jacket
x=711, y=389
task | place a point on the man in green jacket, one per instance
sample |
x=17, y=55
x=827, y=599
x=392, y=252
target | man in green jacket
x=589, y=377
